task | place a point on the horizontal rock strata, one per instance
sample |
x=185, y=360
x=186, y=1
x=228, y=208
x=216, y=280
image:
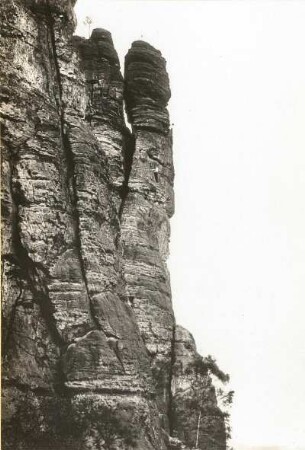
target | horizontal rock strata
x=92, y=358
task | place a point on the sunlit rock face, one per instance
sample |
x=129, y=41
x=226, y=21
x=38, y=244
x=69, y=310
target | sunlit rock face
x=90, y=348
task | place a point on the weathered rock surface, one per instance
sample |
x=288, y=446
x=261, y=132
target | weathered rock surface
x=92, y=357
x=196, y=418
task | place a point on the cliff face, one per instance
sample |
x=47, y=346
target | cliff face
x=92, y=358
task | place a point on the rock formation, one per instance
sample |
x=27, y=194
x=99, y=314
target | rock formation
x=92, y=358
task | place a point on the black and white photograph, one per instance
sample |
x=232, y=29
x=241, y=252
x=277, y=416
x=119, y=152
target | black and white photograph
x=152, y=224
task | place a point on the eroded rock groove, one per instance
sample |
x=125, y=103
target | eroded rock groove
x=92, y=356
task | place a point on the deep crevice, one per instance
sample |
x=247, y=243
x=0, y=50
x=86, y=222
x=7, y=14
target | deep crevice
x=50, y=23
x=71, y=175
x=70, y=161
x=8, y=329
x=129, y=146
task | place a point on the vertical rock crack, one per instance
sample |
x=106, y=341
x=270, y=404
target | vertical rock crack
x=70, y=160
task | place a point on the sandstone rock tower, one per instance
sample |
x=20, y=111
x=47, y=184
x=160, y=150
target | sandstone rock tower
x=92, y=357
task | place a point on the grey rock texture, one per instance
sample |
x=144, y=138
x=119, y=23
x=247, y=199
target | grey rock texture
x=92, y=358
x=196, y=418
x=147, y=208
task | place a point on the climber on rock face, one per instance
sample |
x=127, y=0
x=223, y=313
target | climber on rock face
x=156, y=173
x=130, y=301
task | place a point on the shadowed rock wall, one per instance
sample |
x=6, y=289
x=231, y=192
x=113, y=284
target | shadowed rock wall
x=91, y=354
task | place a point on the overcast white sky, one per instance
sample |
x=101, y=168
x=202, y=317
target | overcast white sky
x=237, y=72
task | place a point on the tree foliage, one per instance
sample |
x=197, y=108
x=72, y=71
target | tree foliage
x=206, y=365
